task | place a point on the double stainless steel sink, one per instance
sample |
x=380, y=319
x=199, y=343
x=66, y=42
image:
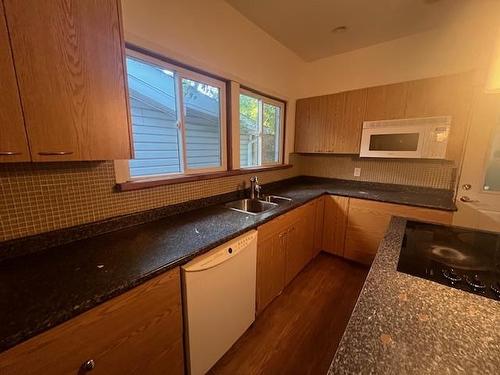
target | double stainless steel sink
x=257, y=206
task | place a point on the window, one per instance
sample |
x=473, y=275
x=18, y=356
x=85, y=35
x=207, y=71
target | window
x=261, y=130
x=178, y=119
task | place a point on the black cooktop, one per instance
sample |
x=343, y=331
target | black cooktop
x=461, y=258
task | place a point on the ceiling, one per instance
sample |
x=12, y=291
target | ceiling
x=305, y=26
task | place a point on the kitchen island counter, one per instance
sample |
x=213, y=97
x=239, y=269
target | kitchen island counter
x=406, y=325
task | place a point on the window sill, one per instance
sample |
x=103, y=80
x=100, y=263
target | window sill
x=149, y=183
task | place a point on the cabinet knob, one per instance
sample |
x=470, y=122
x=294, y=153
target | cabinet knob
x=9, y=153
x=48, y=153
x=88, y=365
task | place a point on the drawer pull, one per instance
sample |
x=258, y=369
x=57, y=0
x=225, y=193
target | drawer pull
x=48, y=153
x=88, y=365
x=9, y=153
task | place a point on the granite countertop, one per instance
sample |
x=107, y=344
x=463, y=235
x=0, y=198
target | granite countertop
x=41, y=289
x=402, y=324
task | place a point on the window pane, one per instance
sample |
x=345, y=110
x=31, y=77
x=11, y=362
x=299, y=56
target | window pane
x=270, y=134
x=249, y=131
x=492, y=177
x=203, y=124
x=154, y=119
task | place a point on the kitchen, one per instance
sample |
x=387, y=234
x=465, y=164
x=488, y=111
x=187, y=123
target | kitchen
x=194, y=187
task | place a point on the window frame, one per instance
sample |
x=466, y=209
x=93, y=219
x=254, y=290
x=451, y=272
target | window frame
x=281, y=131
x=181, y=73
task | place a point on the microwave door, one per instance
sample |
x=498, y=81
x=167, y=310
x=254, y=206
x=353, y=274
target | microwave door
x=392, y=142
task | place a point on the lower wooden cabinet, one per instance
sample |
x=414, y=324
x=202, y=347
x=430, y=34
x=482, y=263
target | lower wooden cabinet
x=368, y=221
x=318, y=225
x=138, y=332
x=300, y=240
x=271, y=258
x=285, y=246
x=335, y=224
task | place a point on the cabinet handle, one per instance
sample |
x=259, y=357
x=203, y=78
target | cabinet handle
x=9, y=153
x=88, y=365
x=48, y=153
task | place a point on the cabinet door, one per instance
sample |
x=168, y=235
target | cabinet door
x=69, y=59
x=367, y=224
x=318, y=226
x=386, y=102
x=348, y=131
x=270, y=264
x=300, y=240
x=335, y=224
x=139, y=332
x=305, y=132
x=315, y=122
x=333, y=117
x=295, y=254
x=444, y=96
x=13, y=143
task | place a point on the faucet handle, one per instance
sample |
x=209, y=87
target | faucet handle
x=254, y=179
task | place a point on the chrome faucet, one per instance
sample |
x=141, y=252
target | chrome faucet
x=254, y=188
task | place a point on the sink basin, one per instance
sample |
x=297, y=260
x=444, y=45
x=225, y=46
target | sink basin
x=277, y=199
x=251, y=206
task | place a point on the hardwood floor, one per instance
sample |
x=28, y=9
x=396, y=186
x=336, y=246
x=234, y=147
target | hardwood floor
x=299, y=331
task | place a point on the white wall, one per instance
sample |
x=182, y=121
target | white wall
x=462, y=44
x=213, y=36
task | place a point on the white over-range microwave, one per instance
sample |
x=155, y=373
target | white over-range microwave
x=418, y=138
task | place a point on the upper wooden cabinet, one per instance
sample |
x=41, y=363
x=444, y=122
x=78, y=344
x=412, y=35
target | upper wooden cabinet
x=13, y=143
x=69, y=60
x=444, y=96
x=333, y=123
x=386, y=102
x=330, y=123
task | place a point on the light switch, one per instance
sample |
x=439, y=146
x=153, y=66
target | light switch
x=357, y=172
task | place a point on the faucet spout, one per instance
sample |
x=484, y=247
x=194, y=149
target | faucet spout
x=255, y=188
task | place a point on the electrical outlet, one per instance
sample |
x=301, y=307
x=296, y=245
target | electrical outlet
x=357, y=172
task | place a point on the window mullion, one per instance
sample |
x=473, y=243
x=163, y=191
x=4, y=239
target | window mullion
x=182, y=122
x=259, y=144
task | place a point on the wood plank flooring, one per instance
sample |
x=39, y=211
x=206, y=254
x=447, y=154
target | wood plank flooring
x=300, y=330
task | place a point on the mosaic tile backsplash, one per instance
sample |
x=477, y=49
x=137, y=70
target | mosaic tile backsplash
x=427, y=173
x=40, y=197
x=36, y=198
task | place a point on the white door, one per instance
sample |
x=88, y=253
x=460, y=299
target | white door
x=478, y=197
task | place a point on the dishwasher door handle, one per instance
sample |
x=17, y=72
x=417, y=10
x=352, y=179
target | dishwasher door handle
x=211, y=263
x=220, y=255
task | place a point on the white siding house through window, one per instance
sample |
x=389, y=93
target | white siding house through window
x=156, y=122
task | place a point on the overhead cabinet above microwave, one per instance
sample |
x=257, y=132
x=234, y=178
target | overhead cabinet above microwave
x=63, y=91
x=334, y=123
x=421, y=138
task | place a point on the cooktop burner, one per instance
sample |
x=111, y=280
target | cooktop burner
x=461, y=258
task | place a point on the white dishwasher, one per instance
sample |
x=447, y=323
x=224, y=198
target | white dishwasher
x=219, y=300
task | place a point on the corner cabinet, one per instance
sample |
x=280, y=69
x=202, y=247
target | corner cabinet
x=13, y=142
x=138, y=332
x=69, y=60
x=353, y=228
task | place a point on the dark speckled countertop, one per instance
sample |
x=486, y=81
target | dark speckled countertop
x=407, y=325
x=41, y=289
